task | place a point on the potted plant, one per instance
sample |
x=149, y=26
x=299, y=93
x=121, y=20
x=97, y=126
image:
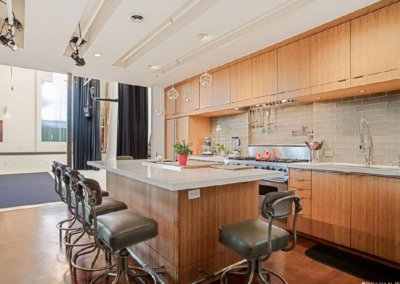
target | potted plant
x=183, y=151
x=223, y=150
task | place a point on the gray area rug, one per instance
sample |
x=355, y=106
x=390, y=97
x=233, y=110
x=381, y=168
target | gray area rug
x=26, y=189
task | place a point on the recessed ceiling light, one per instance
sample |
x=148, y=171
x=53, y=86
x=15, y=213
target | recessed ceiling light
x=361, y=91
x=137, y=18
x=283, y=101
x=152, y=66
x=318, y=98
x=97, y=54
x=236, y=108
x=202, y=36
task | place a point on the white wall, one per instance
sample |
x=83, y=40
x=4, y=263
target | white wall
x=20, y=124
x=157, y=123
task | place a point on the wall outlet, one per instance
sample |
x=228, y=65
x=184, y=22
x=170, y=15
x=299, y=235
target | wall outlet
x=328, y=153
x=193, y=194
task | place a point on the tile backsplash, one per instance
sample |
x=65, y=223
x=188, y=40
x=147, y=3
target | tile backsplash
x=335, y=121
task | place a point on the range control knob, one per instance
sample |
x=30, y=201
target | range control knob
x=273, y=169
x=280, y=169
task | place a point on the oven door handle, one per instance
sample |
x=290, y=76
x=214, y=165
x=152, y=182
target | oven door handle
x=272, y=180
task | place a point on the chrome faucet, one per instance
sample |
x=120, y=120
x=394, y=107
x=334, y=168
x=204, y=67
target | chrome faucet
x=366, y=144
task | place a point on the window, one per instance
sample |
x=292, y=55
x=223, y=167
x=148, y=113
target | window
x=54, y=109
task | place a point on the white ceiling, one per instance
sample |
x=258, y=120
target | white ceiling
x=235, y=28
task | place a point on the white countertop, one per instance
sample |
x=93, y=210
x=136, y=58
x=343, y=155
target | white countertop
x=185, y=179
x=389, y=171
x=217, y=159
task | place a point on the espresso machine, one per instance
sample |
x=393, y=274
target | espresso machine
x=235, y=148
x=206, y=149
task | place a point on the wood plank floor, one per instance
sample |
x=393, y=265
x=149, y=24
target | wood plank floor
x=30, y=253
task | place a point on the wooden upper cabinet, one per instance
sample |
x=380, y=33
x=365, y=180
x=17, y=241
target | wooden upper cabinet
x=264, y=75
x=241, y=81
x=182, y=129
x=375, y=211
x=221, y=87
x=169, y=104
x=181, y=106
x=206, y=96
x=375, y=42
x=294, y=66
x=331, y=203
x=330, y=55
x=194, y=85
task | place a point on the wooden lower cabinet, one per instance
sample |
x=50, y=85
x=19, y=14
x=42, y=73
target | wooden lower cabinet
x=375, y=216
x=331, y=201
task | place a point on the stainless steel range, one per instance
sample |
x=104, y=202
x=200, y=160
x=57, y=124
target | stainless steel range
x=275, y=158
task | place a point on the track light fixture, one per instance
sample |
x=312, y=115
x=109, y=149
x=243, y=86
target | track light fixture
x=13, y=24
x=73, y=43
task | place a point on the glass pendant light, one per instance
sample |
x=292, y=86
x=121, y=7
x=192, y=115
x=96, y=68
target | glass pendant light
x=160, y=110
x=206, y=79
x=188, y=95
x=172, y=93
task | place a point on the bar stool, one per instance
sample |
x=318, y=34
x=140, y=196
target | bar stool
x=86, y=215
x=124, y=158
x=116, y=231
x=59, y=169
x=256, y=240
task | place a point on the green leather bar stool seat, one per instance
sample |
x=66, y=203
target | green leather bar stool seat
x=125, y=228
x=108, y=205
x=249, y=238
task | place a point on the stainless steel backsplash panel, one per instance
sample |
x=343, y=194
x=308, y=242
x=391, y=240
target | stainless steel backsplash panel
x=291, y=151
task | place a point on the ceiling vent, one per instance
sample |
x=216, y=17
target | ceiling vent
x=137, y=18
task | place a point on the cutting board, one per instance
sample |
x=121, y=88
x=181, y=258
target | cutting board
x=231, y=167
x=191, y=164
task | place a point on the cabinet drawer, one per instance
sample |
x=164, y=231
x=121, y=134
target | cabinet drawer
x=300, y=183
x=303, y=224
x=301, y=192
x=300, y=174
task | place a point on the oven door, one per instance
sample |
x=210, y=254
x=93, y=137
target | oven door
x=271, y=185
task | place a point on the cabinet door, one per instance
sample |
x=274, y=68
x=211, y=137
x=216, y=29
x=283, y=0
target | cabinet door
x=221, y=88
x=170, y=139
x=375, y=42
x=181, y=106
x=375, y=222
x=182, y=129
x=169, y=104
x=206, y=100
x=294, y=66
x=264, y=76
x=241, y=81
x=330, y=55
x=330, y=212
x=194, y=85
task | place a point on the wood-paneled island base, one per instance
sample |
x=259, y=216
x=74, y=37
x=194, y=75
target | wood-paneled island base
x=187, y=242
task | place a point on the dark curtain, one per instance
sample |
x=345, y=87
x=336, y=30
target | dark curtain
x=132, y=121
x=86, y=130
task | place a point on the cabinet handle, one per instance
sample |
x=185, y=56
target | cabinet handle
x=299, y=179
x=299, y=188
x=343, y=80
x=358, y=77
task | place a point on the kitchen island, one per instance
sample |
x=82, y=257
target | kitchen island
x=187, y=242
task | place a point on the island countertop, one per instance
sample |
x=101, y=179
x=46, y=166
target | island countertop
x=185, y=179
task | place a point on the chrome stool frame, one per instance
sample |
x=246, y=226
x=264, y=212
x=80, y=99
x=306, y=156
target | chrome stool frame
x=58, y=170
x=122, y=268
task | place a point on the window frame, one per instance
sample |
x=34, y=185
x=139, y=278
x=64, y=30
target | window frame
x=41, y=146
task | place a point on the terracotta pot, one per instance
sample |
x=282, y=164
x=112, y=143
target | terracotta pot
x=182, y=159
